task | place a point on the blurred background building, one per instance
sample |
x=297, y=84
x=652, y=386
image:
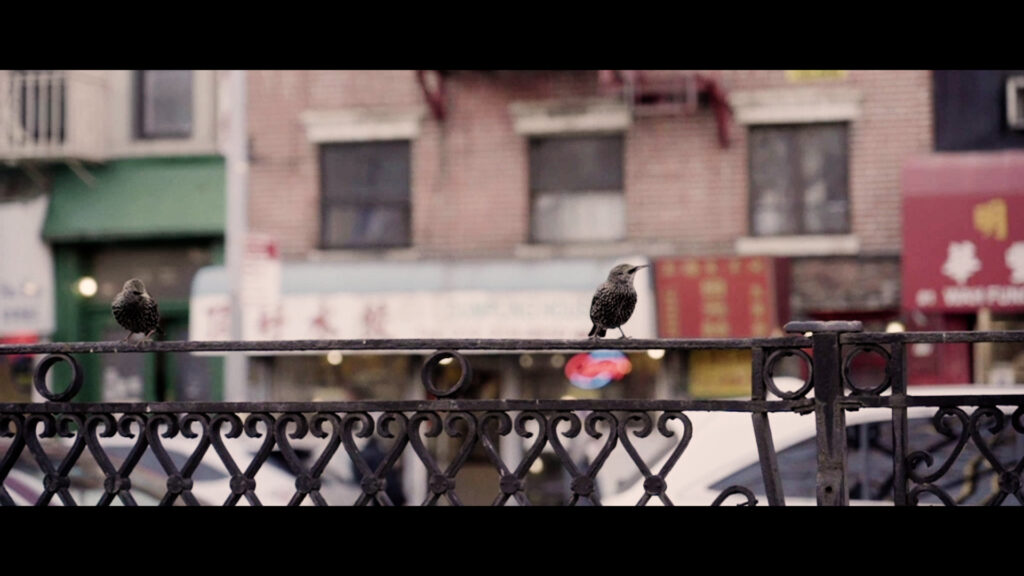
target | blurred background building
x=490, y=204
x=107, y=175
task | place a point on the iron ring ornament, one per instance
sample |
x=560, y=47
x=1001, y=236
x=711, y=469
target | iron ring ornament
x=39, y=378
x=848, y=363
x=427, y=374
x=767, y=375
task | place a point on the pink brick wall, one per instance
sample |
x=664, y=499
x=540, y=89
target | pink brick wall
x=470, y=179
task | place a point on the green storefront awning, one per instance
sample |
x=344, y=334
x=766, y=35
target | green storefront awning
x=139, y=198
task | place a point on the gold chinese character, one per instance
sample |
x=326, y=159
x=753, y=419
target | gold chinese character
x=735, y=267
x=717, y=308
x=713, y=288
x=711, y=267
x=757, y=309
x=991, y=219
x=691, y=268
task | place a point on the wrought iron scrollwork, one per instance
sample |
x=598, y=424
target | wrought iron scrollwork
x=39, y=378
x=584, y=483
x=848, y=363
x=655, y=484
x=573, y=444
x=751, y=500
x=769, y=369
x=427, y=373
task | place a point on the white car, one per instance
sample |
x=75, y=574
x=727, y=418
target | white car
x=723, y=453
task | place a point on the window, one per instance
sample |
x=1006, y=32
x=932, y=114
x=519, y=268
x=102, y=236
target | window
x=163, y=103
x=799, y=179
x=366, y=194
x=42, y=95
x=576, y=187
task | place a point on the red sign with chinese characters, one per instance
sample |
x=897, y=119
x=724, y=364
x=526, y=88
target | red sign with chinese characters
x=716, y=297
x=963, y=232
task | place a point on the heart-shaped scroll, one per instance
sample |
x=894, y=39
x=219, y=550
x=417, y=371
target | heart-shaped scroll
x=179, y=482
x=443, y=483
x=584, y=484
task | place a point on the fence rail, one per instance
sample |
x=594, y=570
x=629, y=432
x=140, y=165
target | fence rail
x=603, y=450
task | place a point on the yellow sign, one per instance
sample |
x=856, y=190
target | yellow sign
x=991, y=219
x=719, y=373
x=812, y=75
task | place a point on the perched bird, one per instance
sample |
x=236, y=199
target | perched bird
x=135, y=310
x=614, y=301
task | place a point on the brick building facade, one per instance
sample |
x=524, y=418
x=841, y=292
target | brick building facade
x=684, y=192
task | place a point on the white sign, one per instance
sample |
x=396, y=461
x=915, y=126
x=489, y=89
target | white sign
x=555, y=314
x=26, y=270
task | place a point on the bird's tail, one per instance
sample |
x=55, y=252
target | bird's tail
x=600, y=332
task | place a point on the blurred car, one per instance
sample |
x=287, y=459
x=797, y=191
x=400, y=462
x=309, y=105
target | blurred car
x=723, y=453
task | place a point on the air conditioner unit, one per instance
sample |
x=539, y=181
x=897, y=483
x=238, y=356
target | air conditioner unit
x=1015, y=102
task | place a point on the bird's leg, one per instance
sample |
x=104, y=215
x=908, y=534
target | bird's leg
x=125, y=339
x=623, y=333
x=150, y=334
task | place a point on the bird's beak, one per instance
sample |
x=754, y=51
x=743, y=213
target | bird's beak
x=635, y=268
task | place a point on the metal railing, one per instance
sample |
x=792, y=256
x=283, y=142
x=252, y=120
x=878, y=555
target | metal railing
x=52, y=115
x=305, y=440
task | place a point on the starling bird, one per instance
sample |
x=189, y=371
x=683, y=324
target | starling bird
x=135, y=310
x=614, y=301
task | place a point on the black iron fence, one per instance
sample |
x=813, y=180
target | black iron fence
x=603, y=451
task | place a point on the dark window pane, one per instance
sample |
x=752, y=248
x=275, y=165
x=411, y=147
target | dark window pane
x=372, y=171
x=576, y=184
x=773, y=183
x=366, y=194
x=799, y=179
x=576, y=163
x=164, y=103
x=367, y=226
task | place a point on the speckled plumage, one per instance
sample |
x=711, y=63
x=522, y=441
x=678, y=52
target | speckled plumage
x=614, y=301
x=135, y=310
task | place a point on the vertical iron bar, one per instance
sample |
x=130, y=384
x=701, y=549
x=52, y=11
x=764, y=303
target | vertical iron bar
x=763, y=433
x=897, y=369
x=830, y=420
x=829, y=415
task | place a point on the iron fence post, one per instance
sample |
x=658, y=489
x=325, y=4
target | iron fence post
x=829, y=415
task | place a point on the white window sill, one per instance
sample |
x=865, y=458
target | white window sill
x=807, y=245
x=169, y=147
x=360, y=125
x=352, y=254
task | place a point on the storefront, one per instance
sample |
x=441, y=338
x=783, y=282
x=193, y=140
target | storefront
x=720, y=297
x=963, y=263
x=157, y=219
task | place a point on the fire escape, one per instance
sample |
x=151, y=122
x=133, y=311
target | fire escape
x=646, y=92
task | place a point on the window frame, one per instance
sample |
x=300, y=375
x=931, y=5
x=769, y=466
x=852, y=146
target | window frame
x=139, y=131
x=326, y=203
x=534, y=192
x=799, y=213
